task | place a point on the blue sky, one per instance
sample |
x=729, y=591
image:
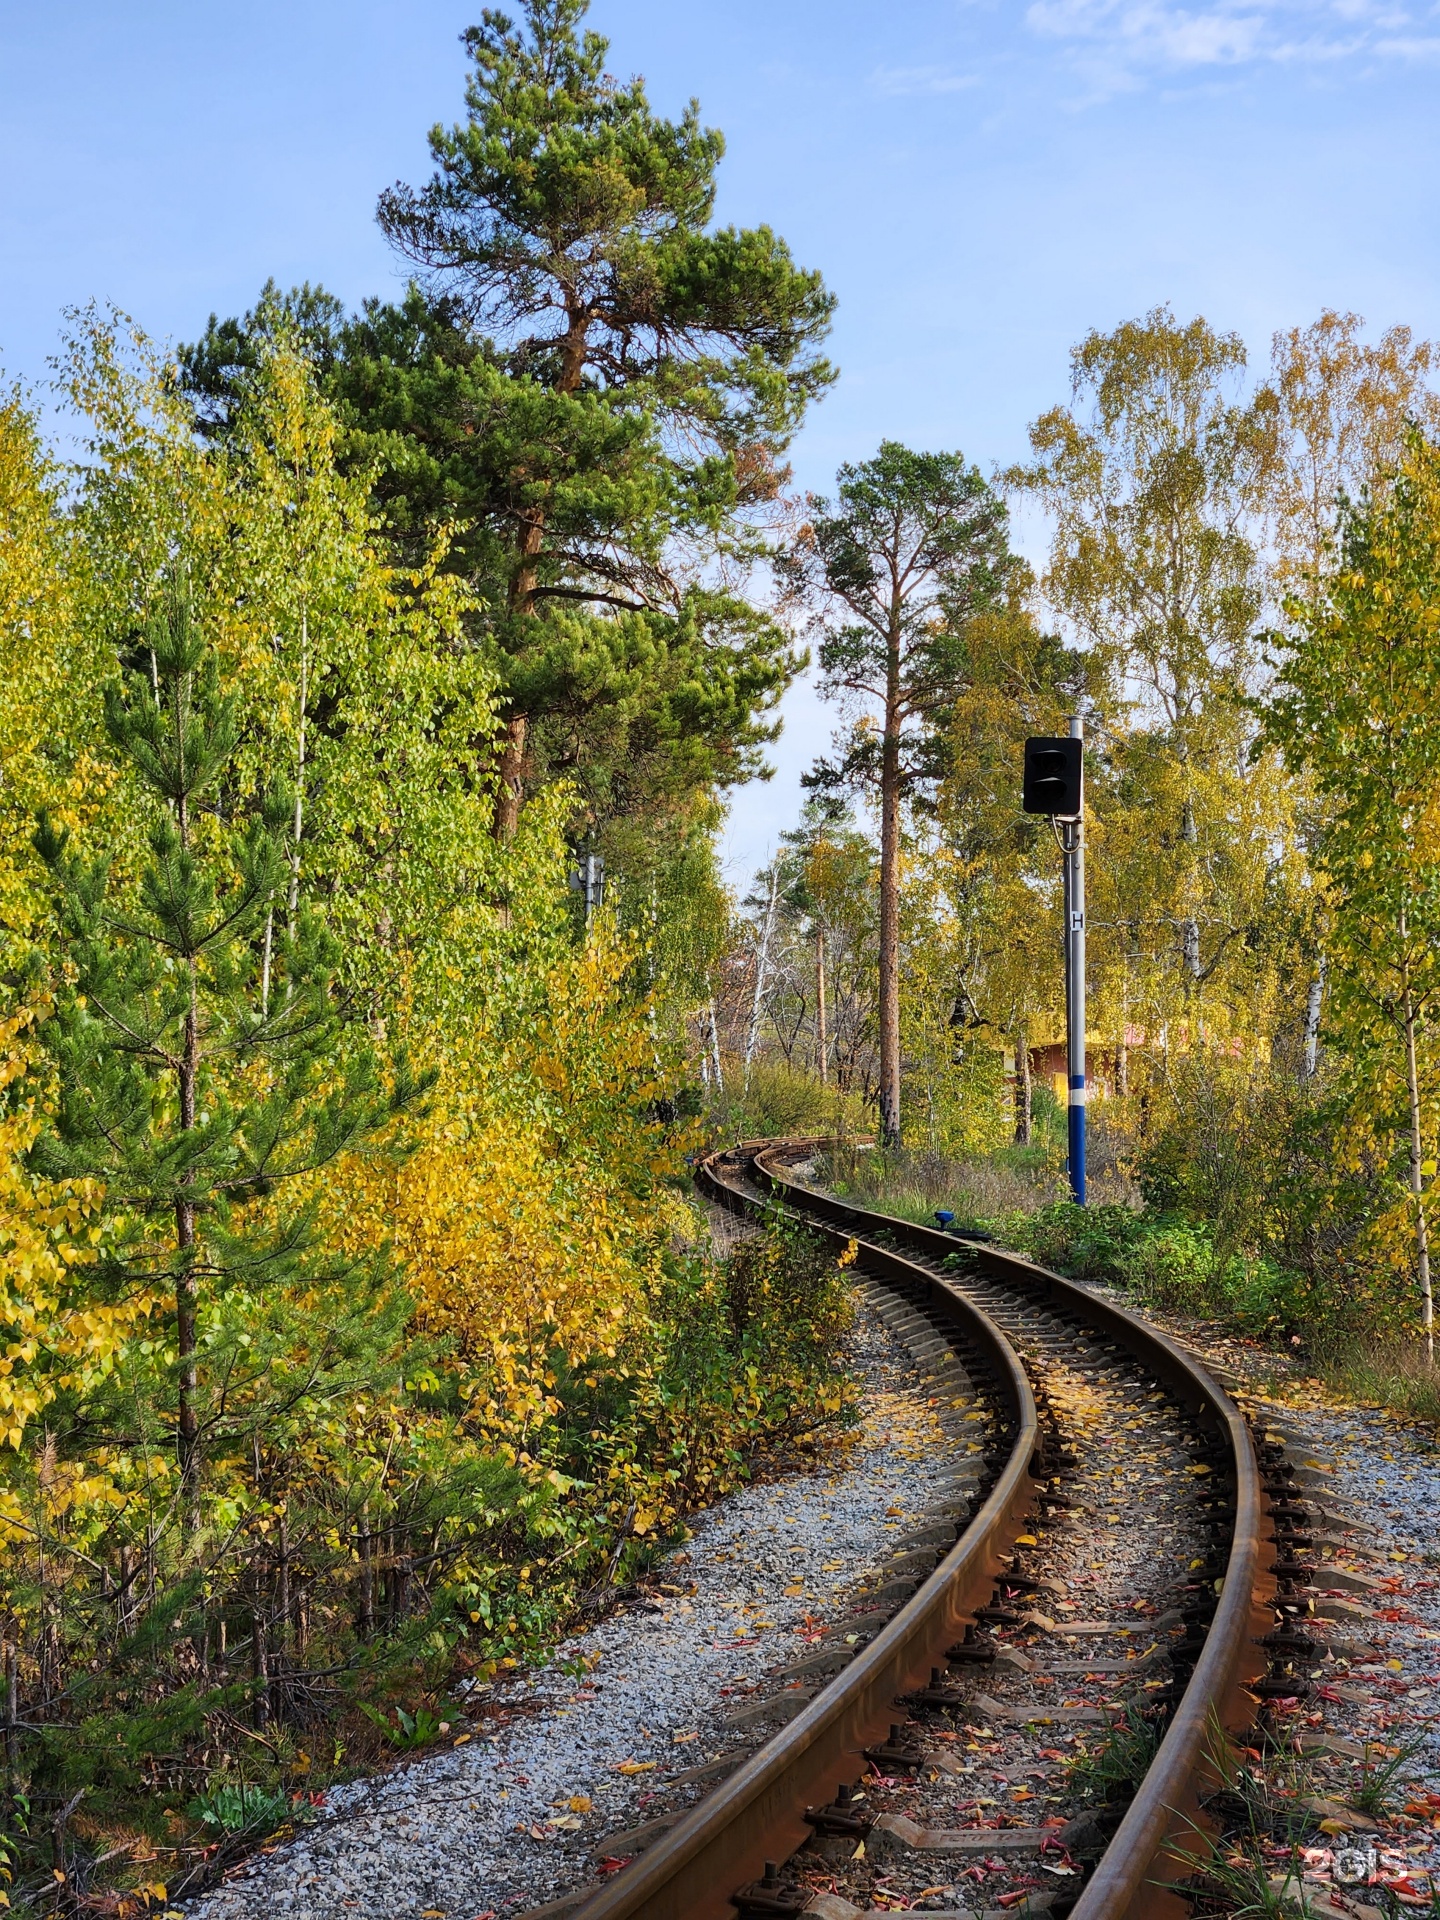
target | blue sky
x=981, y=182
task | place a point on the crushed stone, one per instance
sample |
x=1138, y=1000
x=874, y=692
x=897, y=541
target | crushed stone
x=488, y=1828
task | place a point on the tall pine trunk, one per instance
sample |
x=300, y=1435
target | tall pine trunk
x=1024, y=1086
x=889, y=1088
x=522, y=594
x=187, y=1286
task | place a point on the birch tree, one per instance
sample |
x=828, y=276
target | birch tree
x=1357, y=709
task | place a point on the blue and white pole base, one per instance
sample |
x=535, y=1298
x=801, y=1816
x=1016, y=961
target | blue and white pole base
x=1076, y=1116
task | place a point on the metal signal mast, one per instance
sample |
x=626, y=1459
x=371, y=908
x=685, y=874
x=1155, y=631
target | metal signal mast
x=1055, y=785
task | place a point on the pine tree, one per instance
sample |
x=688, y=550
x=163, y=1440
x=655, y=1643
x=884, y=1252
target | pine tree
x=195, y=1083
x=645, y=375
x=913, y=547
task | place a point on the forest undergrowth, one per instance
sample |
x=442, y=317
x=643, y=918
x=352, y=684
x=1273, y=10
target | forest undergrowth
x=1171, y=1221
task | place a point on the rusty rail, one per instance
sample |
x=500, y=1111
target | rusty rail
x=756, y=1814
x=1161, y=1833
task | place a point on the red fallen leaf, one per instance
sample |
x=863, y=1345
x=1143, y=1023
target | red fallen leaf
x=610, y=1864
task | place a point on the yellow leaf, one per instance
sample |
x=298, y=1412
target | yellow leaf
x=1026, y=1540
x=636, y=1766
x=1333, y=1826
x=579, y=1803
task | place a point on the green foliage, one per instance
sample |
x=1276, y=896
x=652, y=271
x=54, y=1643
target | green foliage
x=913, y=549
x=592, y=382
x=734, y=1358
x=240, y=1806
x=201, y=1064
x=407, y=1730
x=260, y=1500
x=930, y=522
x=1357, y=709
x=1386, y=1774
x=1167, y=1261
x=573, y=223
x=781, y=1101
x=1113, y=1769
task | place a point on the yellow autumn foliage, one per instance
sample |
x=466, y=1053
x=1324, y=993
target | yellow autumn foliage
x=54, y=1335
x=48, y=741
x=532, y=1210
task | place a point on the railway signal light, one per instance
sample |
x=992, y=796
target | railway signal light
x=1054, y=784
x=1053, y=778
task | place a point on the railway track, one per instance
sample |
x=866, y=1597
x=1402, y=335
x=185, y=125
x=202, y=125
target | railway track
x=979, y=1636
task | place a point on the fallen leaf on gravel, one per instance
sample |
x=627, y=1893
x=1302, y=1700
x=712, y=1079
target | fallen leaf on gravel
x=579, y=1803
x=567, y=1822
x=636, y=1766
x=1026, y=1540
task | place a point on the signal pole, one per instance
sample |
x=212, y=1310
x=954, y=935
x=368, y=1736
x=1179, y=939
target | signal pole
x=1073, y=845
x=1055, y=785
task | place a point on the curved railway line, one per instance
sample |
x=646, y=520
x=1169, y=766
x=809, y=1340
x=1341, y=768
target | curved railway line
x=939, y=1644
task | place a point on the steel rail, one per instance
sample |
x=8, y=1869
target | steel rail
x=756, y=1815
x=1161, y=1835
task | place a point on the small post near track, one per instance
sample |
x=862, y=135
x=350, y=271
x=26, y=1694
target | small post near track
x=1055, y=785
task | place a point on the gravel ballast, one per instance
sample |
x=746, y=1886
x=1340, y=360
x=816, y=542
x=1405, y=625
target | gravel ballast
x=489, y=1827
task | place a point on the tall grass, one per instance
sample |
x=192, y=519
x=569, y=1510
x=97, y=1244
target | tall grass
x=1385, y=1373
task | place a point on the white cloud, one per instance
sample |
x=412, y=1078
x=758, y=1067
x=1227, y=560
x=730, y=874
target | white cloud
x=1123, y=40
x=902, y=80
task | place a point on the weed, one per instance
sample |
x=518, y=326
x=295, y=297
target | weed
x=1382, y=1776
x=1240, y=1887
x=239, y=1806
x=1114, y=1769
x=407, y=1730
